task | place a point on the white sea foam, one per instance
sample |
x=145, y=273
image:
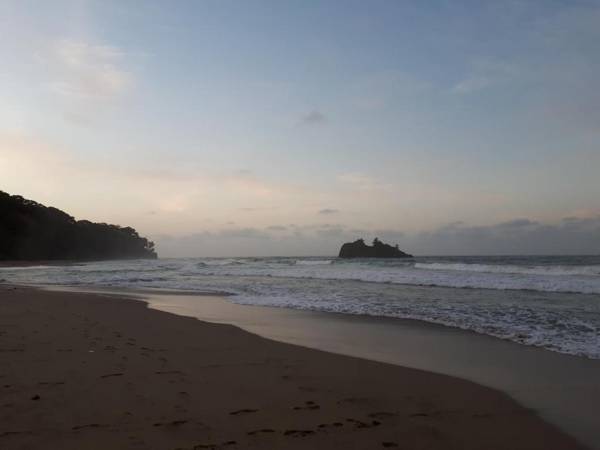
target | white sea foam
x=493, y=277
x=7, y=269
x=542, y=301
x=558, y=270
x=561, y=331
x=220, y=262
x=313, y=262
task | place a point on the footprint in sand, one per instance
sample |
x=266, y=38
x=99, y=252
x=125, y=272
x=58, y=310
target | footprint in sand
x=264, y=430
x=112, y=375
x=361, y=424
x=353, y=401
x=13, y=433
x=90, y=425
x=243, y=411
x=381, y=415
x=174, y=423
x=307, y=406
x=331, y=425
x=419, y=415
x=298, y=433
x=307, y=389
x=51, y=383
x=214, y=446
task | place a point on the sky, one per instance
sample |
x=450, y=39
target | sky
x=241, y=128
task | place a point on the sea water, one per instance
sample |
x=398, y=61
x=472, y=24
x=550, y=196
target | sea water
x=547, y=301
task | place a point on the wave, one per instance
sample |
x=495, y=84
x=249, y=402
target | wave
x=313, y=262
x=593, y=270
x=220, y=262
x=552, y=330
x=19, y=268
x=413, y=276
x=531, y=300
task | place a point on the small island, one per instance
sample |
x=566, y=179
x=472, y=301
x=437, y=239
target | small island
x=358, y=249
x=30, y=231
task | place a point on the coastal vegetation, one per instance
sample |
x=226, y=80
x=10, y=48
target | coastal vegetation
x=31, y=231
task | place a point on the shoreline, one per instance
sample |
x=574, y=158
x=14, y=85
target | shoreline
x=566, y=395
x=141, y=292
x=412, y=406
x=563, y=389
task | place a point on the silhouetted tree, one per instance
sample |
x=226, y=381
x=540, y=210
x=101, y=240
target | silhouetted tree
x=31, y=231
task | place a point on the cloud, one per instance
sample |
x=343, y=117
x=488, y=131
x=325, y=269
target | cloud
x=551, y=66
x=520, y=236
x=181, y=196
x=277, y=228
x=572, y=235
x=331, y=232
x=310, y=239
x=485, y=74
x=244, y=233
x=389, y=235
x=328, y=211
x=362, y=182
x=313, y=118
x=517, y=223
x=255, y=209
x=225, y=242
x=87, y=71
x=386, y=88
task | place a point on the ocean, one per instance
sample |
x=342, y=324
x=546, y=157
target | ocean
x=546, y=301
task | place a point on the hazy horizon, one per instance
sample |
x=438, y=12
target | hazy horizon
x=262, y=128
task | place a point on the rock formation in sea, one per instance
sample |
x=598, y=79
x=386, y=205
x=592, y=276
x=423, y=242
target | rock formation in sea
x=358, y=249
x=31, y=231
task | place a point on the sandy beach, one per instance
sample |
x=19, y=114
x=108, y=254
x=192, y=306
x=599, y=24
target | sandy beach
x=96, y=371
x=277, y=225
x=562, y=389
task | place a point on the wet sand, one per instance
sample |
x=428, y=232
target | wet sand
x=562, y=389
x=94, y=371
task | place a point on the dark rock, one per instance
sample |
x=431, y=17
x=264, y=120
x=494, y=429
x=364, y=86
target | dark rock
x=358, y=249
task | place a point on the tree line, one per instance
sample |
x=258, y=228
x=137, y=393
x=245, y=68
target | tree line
x=31, y=231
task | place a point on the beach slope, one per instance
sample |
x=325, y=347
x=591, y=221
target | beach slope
x=96, y=372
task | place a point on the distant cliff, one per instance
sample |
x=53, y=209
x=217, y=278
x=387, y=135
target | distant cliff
x=30, y=231
x=358, y=249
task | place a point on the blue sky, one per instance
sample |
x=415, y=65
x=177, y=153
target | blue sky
x=230, y=127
